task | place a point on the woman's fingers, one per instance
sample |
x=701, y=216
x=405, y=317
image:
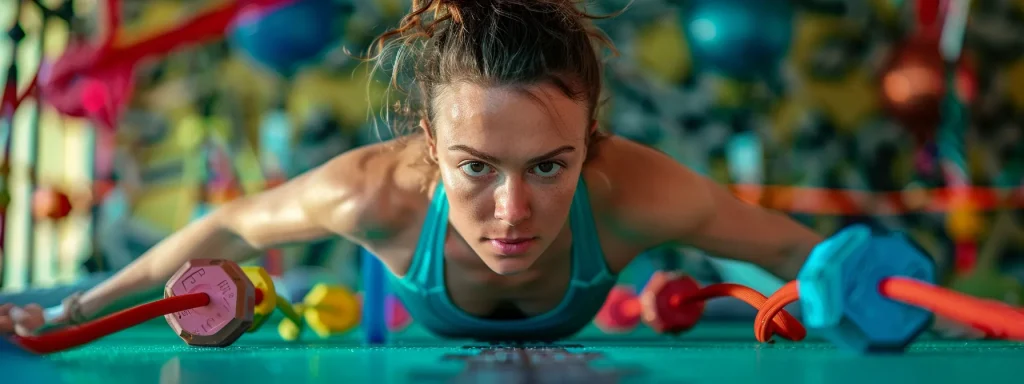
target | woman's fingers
x=27, y=320
x=6, y=324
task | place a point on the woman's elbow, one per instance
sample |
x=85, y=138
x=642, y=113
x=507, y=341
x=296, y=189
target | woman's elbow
x=230, y=230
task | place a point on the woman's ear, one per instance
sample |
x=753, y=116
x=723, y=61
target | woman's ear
x=429, y=135
x=591, y=132
x=591, y=136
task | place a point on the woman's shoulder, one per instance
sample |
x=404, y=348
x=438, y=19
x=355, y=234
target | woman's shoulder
x=624, y=169
x=639, y=190
x=374, y=187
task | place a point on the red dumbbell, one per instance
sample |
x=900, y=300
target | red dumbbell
x=665, y=303
x=620, y=312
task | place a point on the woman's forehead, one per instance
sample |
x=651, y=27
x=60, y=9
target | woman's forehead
x=470, y=110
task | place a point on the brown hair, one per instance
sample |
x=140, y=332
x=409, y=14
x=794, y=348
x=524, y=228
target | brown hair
x=492, y=43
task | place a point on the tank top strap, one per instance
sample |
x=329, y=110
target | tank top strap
x=430, y=246
x=589, y=261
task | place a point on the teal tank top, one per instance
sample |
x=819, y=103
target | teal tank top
x=423, y=291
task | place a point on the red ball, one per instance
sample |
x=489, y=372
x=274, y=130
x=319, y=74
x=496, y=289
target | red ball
x=620, y=312
x=665, y=303
x=49, y=203
x=913, y=85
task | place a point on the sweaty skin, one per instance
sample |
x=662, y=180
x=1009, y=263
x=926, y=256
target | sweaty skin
x=509, y=159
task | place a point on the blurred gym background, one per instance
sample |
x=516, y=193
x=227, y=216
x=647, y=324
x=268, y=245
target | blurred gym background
x=834, y=111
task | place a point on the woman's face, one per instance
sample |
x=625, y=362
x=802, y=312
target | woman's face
x=510, y=159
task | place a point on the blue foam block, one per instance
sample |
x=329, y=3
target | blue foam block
x=839, y=290
x=374, y=321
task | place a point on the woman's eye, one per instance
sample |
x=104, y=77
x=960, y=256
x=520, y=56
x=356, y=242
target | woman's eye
x=476, y=169
x=547, y=169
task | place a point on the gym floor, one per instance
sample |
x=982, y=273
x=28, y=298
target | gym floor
x=712, y=353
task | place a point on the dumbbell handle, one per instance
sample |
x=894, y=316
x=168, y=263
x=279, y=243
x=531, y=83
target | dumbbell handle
x=74, y=336
x=289, y=310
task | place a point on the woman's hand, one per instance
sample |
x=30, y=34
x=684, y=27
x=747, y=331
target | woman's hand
x=24, y=321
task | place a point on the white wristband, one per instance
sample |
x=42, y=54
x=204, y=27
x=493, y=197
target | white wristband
x=50, y=315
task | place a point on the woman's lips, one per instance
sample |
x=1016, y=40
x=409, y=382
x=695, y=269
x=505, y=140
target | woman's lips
x=512, y=246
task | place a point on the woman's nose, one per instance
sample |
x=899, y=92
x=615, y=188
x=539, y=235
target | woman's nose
x=512, y=202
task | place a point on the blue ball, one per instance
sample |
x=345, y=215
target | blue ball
x=288, y=37
x=742, y=39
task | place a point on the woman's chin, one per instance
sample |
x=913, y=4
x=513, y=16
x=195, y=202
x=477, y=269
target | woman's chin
x=509, y=265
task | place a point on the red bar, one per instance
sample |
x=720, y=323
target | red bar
x=847, y=202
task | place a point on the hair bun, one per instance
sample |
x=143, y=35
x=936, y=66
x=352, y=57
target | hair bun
x=456, y=8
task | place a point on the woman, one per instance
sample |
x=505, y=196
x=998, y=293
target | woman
x=506, y=215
